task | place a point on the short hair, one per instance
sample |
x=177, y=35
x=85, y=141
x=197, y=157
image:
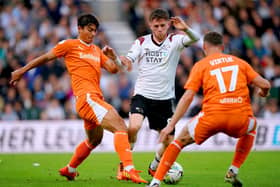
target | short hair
x=159, y=14
x=214, y=38
x=87, y=19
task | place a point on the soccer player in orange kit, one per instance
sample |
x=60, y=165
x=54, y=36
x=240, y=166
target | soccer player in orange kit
x=226, y=107
x=84, y=61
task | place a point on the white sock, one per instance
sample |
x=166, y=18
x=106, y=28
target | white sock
x=154, y=181
x=128, y=168
x=70, y=169
x=155, y=162
x=132, y=146
x=234, y=169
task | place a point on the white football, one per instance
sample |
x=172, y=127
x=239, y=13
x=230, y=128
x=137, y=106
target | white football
x=174, y=174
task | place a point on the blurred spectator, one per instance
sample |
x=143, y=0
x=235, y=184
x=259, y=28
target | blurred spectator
x=9, y=114
x=272, y=110
x=54, y=110
x=125, y=86
x=124, y=108
x=32, y=112
x=113, y=94
x=28, y=28
x=70, y=111
x=251, y=31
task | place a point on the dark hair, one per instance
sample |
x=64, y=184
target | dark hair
x=159, y=14
x=86, y=19
x=214, y=38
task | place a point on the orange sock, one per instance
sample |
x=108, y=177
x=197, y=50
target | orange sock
x=122, y=147
x=81, y=153
x=243, y=148
x=168, y=158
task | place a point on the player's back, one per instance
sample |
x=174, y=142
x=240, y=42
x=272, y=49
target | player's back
x=225, y=79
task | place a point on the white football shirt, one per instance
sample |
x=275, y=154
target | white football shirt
x=157, y=65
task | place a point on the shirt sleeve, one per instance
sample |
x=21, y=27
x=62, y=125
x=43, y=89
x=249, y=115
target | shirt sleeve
x=103, y=57
x=195, y=79
x=135, y=50
x=187, y=39
x=250, y=72
x=61, y=48
x=182, y=41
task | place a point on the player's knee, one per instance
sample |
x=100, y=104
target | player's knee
x=186, y=140
x=168, y=140
x=120, y=125
x=95, y=141
x=133, y=130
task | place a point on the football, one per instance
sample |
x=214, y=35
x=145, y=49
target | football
x=174, y=174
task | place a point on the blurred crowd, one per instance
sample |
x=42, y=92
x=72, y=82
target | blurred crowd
x=251, y=30
x=30, y=28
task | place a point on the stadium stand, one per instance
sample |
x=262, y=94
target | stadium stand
x=28, y=28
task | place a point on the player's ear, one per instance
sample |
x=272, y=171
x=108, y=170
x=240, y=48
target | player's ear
x=169, y=23
x=150, y=24
x=222, y=47
x=79, y=28
x=204, y=46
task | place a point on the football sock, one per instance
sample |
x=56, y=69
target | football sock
x=154, y=181
x=155, y=162
x=168, y=159
x=132, y=145
x=81, y=153
x=234, y=169
x=122, y=147
x=129, y=167
x=243, y=148
x=70, y=169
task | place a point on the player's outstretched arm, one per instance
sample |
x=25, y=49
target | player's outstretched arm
x=126, y=62
x=180, y=24
x=263, y=84
x=181, y=109
x=115, y=64
x=17, y=74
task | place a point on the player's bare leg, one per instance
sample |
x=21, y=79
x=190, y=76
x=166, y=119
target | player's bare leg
x=135, y=123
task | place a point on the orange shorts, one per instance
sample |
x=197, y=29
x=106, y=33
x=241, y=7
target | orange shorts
x=203, y=126
x=92, y=109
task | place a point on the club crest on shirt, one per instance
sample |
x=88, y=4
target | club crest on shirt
x=165, y=47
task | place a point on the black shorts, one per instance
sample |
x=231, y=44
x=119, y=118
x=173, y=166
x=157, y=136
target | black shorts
x=157, y=111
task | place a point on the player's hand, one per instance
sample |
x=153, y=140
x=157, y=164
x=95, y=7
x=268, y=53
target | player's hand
x=262, y=93
x=109, y=52
x=126, y=62
x=179, y=23
x=165, y=132
x=16, y=76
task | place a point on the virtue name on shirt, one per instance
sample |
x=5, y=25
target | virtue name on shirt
x=220, y=60
x=155, y=56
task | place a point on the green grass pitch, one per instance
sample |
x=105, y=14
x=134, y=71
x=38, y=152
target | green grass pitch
x=200, y=169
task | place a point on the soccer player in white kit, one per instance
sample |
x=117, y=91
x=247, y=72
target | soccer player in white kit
x=157, y=55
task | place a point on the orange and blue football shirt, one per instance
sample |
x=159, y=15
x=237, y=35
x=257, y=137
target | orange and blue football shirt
x=224, y=79
x=83, y=62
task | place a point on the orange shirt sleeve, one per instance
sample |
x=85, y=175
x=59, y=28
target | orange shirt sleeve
x=195, y=79
x=250, y=72
x=61, y=48
x=103, y=57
